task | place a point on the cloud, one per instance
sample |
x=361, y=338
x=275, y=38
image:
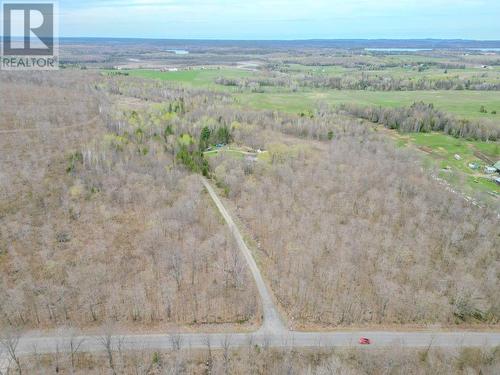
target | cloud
x=279, y=18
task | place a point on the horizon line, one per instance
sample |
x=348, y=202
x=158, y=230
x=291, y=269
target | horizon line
x=283, y=40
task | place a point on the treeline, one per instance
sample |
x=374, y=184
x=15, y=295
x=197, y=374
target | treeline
x=367, y=62
x=423, y=118
x=360, y=82
x=256, y=84
x=389, y=83
x=159, y=91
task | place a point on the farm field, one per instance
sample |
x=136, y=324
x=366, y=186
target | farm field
x=463, y=104
x=200, y=78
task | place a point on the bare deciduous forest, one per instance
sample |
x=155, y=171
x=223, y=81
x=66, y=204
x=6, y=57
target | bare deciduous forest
x=263, y=361
x=354, y=232
x=106, y=221
x=92, y=231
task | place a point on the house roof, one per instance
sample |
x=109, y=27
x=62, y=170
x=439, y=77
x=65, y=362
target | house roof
x=497, y=165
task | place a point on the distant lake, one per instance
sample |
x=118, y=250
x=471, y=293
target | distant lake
x=493, y=49
x=398, y=49
x=485, y=49
x=178, y=51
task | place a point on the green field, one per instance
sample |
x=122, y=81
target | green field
x=464, y=104
x=192, y=78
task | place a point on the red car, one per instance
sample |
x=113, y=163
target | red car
x=364, y=341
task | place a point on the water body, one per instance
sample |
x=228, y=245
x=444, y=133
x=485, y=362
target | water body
x=485, y=49
x=398, y=49
x=178, y=51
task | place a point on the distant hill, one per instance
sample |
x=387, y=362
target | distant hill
x=286, y=44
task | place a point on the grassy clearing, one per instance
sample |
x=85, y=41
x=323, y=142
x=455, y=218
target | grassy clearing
x=231, y=152
x=235, y=152
x=444, y=148
x=441, y=150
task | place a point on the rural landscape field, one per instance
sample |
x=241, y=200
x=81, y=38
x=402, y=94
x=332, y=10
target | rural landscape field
x=223, y=206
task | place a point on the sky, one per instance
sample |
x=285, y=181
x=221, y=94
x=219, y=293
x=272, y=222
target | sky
x=281, y=19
